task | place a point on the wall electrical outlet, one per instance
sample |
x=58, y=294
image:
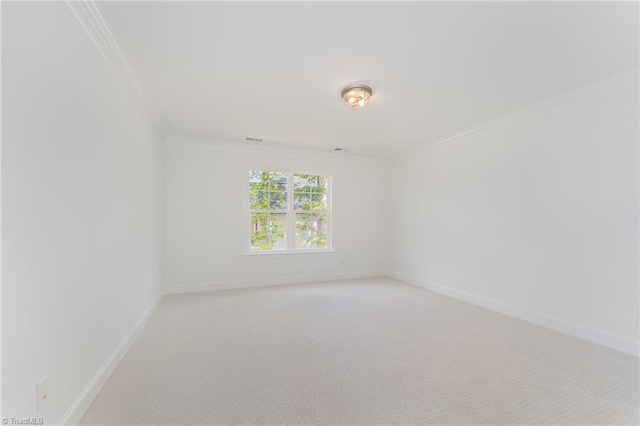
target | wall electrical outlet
x=42, y=393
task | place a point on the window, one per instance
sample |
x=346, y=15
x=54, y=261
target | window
x=289, y=212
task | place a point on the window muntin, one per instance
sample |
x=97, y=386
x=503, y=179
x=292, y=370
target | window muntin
x=288, y=211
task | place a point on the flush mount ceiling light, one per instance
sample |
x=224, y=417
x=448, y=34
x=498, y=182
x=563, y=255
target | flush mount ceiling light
x=356, y=96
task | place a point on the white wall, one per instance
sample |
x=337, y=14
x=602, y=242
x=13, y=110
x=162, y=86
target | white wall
x=82, y=209
x=536, y=215
x=204, y=218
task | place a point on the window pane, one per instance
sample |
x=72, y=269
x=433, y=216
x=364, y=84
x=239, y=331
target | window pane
x=306, y=183
x=300, y=200
x=318, y=202
x=268, y=231
x=277, y=200
x=311, y=230
x=267, y=190
x=258, y=200
x=321, y=224
x=301, y=183
x=278, y=237
x=310, y=192
x=310, y=201
x=276, y=178
x=255, y=177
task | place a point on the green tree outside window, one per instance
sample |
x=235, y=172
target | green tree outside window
x=271, y=208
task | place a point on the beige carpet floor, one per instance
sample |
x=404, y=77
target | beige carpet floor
x=369, y=351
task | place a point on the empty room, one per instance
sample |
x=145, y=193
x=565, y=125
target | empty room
x=320, y=213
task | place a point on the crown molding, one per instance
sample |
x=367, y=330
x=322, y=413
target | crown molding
x=265, y=149
x=95, y=25
x=583, y=93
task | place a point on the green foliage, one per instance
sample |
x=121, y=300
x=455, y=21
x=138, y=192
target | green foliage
x=268, y=193
x=310, y=196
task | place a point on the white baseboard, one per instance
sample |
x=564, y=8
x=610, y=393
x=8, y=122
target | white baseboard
x=590, y=334
x=230, y=285
x=83, y=402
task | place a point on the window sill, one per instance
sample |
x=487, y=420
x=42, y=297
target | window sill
x=268, y=254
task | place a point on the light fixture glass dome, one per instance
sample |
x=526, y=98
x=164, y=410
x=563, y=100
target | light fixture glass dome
x=357, y=96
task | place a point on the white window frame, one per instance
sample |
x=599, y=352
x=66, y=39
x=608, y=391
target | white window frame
x=290, y=211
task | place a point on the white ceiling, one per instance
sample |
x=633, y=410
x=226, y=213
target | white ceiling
x=227, y=71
